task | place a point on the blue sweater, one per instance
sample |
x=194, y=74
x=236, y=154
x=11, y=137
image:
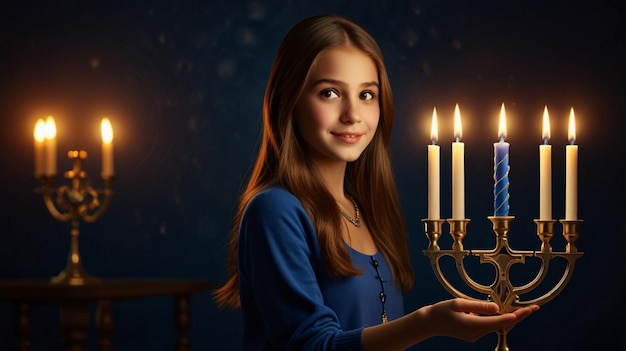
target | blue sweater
x=288, y=301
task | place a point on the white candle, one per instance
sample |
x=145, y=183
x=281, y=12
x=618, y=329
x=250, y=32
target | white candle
x=39, y=136
x=571, y=171
x=107, y=148
x=433, y=171
x=545, y=171
x=50, y=147
x=458, y=169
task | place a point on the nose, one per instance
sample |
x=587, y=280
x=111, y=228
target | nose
x=350, y=111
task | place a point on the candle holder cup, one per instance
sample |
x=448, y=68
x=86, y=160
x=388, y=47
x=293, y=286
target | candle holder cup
x=502, y=258
x=79, y=201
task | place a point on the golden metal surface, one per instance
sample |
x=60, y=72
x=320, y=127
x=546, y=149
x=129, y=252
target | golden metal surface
x=502, y=291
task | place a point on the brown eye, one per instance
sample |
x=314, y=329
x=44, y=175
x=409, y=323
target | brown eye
x=367, y=95
x=329, y=94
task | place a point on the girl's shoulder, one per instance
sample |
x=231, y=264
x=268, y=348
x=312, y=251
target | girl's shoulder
x=273, y=196
x=274, y=193
x=272, y=213
x=274, y=200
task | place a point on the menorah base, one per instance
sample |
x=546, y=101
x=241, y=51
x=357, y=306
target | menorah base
x=74, y=275
x=66, y=279
x=502, y=343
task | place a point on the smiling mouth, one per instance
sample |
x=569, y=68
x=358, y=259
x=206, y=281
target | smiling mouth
x=346, y=135
x=348, y=138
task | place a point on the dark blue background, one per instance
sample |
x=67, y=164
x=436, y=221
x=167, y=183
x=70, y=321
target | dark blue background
x=182, y=83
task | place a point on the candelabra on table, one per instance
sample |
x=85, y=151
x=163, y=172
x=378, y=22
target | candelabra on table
x=502, y=258
x=74, y=203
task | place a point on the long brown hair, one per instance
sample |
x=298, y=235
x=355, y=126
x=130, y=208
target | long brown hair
x=283, y=161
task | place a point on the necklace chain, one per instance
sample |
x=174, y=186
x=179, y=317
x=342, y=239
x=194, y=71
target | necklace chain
x=357, y=218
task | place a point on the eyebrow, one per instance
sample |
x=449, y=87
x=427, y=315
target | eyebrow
x=338, y=82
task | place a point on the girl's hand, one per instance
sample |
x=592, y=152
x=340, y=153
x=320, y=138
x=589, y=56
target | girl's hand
x=469, y=320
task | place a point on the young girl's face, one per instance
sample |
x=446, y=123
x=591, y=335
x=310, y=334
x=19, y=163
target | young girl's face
x=338, y=112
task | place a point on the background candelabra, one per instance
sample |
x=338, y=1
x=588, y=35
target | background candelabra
x=77, y=202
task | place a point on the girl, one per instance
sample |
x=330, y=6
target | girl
x=318, y=258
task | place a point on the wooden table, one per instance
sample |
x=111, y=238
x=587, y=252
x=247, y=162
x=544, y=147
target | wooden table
x=74, y=305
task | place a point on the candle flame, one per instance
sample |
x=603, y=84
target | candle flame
x=571, y=132
x=107, y=131
x=434, y=128
x=458, y=130
x=50, y=128
x=40, y=130
x=502, y=124
x=546, y=125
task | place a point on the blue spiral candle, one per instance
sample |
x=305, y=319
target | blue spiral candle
x=501, y=170
x=501, y=179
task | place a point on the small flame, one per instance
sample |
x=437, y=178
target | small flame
x=40, y=130
x=546, y=126
x=458, y=130
x=50, y=128
x=107, y=131
x=434, y=128
x=571, y=132
x=502, y=124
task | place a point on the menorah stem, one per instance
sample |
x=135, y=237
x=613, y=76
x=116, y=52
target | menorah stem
x=74, y=273
x=502, y=344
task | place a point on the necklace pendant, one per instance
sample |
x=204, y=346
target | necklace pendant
x=357, y=220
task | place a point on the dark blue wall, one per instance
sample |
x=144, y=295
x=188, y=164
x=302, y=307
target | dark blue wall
x=182, y=83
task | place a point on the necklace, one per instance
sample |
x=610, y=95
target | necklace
x=357, y=218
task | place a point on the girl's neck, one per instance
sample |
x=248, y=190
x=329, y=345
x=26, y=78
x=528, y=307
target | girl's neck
x=334, y=175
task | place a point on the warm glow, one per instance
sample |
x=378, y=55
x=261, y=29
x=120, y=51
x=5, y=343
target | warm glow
x=50, y=128
x=434, y=129
x=40, y=130
x=571, y=132
x=458, y=130
x=502, y=125
x=107, y=131
x=546, y=126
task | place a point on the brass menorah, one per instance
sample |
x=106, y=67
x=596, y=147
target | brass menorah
x=502, y=258
x=74, y=203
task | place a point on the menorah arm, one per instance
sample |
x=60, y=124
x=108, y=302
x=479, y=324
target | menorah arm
x=552, y=293
x=541, y=275
x=100, y=207
x=54, y=211
x=458, y=256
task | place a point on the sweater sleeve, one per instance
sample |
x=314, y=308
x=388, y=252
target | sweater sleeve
x=280, y=263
